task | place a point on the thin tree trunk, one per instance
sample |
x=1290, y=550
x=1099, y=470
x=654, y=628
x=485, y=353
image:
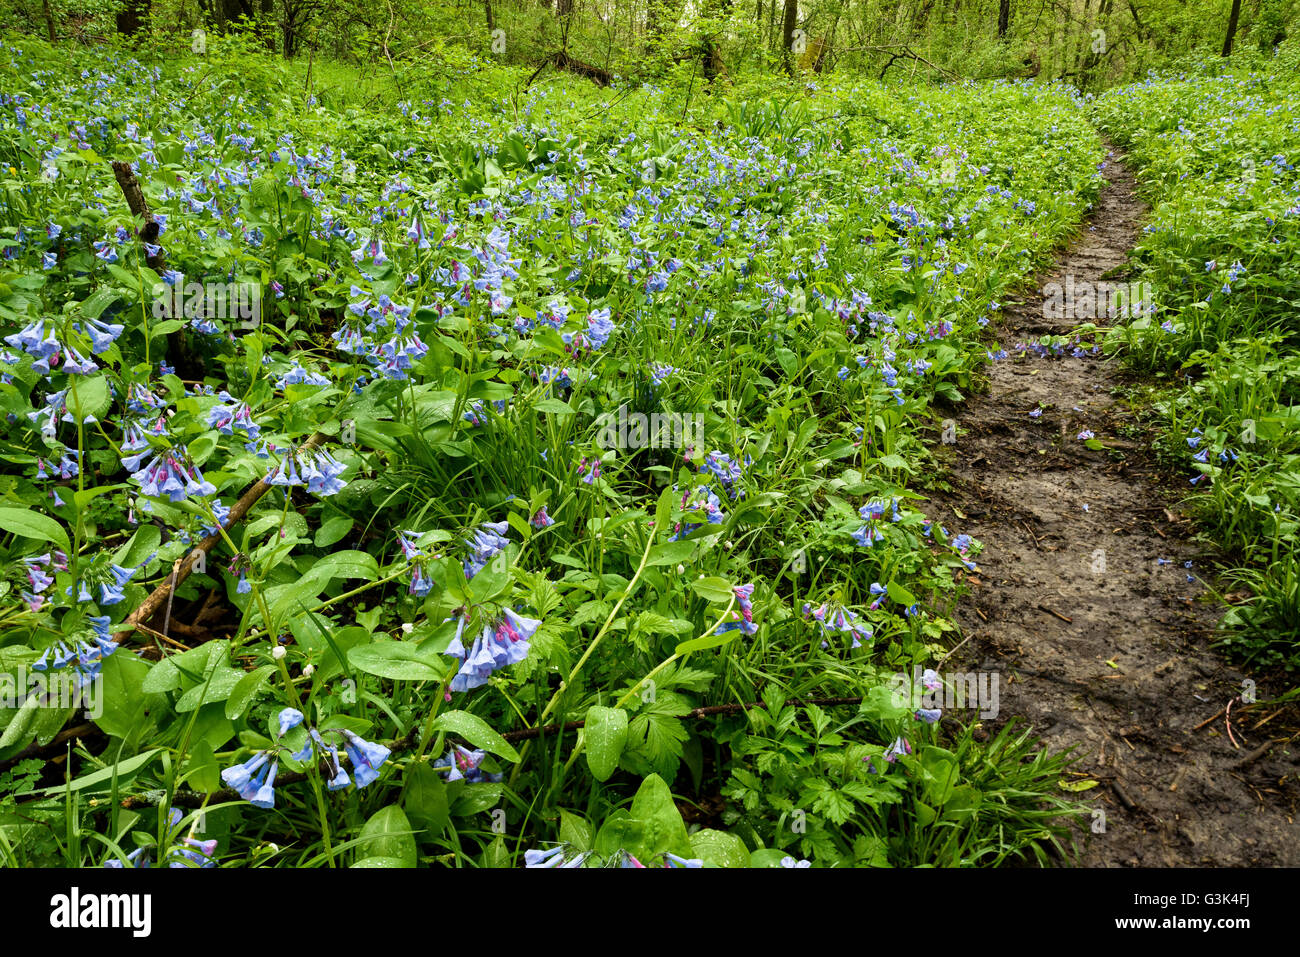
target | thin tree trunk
x=787, y=33
x=491, y=18
x=1004, y=18
x=1232, y=27
x=49, y=19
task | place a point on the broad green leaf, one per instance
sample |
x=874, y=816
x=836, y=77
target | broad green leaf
x=245, y=690
x=671, y=553
x=388, y=834
x=477, y=732
x=34, y=525
x=397, y=661
x=661, y=822
x=605, y=734
x=713, y=589
x=104, y=776
x=719, y=849
x=708, y=641
x=900, y=594
x=88, y=397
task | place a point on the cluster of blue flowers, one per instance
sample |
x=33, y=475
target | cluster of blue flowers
x=488, y=541
x=254, y=779
x=558, y=858
x=835, y=619
x=502, y=642
x=464, y=764
x=743, y=620
x=382, y=333
x=700, y=502
x=315, y=469
x=85, y=657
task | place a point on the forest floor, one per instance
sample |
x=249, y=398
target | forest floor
x=1098, y=645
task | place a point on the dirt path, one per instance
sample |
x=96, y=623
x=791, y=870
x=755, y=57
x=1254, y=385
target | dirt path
x=1070, y=533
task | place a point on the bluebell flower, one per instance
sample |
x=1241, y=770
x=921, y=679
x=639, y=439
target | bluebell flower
x=465, y=764
x=241, y=778
x=366, y=758
x=290, y=718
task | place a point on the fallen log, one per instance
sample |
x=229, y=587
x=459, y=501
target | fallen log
x=187, y=365
x=183, y=566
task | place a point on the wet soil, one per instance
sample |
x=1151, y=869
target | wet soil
x=1084, y=605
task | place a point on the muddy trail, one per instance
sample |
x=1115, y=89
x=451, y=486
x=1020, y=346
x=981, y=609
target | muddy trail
x=1085, y=609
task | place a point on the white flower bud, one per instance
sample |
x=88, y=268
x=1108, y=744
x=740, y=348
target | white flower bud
x=278, y=652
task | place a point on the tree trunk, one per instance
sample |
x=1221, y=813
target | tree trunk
x=1232, y=27
x=787, y=33
x=129, y=18
x=1004, y=18
x=491, y=18
x=49, y=19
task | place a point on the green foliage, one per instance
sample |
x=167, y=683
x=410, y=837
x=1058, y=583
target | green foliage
x=806, y=277
x=1218, y=156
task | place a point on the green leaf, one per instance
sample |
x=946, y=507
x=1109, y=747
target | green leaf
x=333, y=530
x=29, y=524
x=424, y=797
x=767, y=857
x=554, y=406
x=605, y=734
x=575, y=830
x=88, y=397
x=672, y=553
x=121, y=697
x=165, y=327
x=19, y=727
x=477, y=732
x=661, y=823
x=707, y=641
x=144, y=542
x=388, y=835
x=664, y=509
x=104, y=776
x=245, y=690
x=713, y=589
x=397, y=661
x=210, y=691
x=95, y=304
x=900, y=594
x=719, y=849
x=204, y=772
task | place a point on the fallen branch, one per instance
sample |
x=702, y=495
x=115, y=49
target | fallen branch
x=35, y=750
x=178, y=349
x=1255, y=755
x=184, y=566
x=562, y=60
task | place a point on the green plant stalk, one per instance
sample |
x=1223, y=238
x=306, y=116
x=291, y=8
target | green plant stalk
x=581, y=743
x=595, y=642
